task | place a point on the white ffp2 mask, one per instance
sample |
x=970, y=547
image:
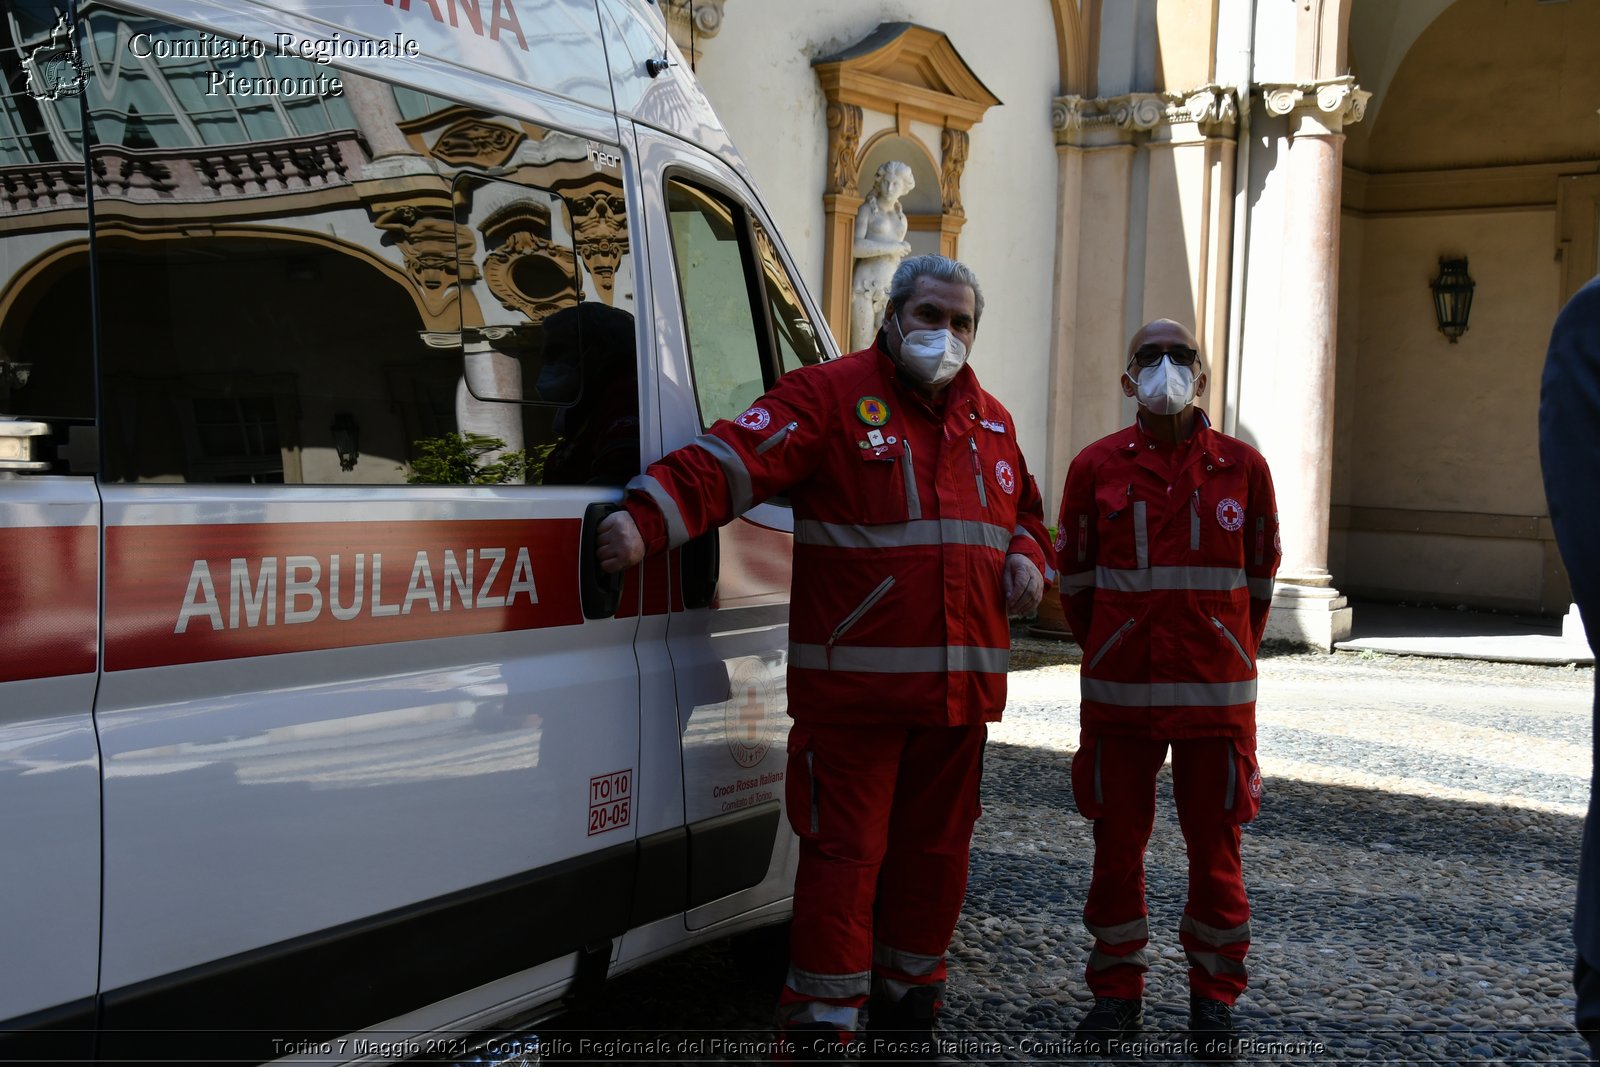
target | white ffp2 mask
x=932, y=357
x=1166, y=388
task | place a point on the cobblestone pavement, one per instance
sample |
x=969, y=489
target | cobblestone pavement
x=1411, y=875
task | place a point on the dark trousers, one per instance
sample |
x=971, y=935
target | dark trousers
x=1586, y=982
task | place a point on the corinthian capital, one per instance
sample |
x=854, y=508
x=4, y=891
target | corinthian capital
x=691, y=24
x=1334, y=103
x=1213, y=108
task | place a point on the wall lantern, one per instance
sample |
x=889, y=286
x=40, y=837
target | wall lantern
x=1452, y=297
x=346, y=439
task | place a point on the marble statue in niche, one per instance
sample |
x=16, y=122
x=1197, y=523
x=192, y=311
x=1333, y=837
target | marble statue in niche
x=880, y=245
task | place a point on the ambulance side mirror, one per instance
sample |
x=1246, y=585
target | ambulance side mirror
x=602, y=592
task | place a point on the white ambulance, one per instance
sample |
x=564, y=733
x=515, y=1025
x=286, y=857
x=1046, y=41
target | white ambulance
x=328, y=331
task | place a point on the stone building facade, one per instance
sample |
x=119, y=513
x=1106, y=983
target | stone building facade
x=1284, y=177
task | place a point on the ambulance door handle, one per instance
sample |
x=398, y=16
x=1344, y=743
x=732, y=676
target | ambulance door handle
x=699, y=565
x=602, y=592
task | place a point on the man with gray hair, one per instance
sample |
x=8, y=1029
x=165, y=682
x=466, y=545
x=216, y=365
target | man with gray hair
x=917, y=531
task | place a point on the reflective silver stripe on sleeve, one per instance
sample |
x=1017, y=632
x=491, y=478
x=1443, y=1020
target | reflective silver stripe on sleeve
x=1133, y=930
x=1141, y=534
x=932, y=659
x=1100, y=961
x=677, y=532
x=1168, y=694
x=1212, y=935
x=913, y=501
x=1077, y=583
x=1122, y=579
x=896, y=959
x=838, y=986
x=741, y=498
x=1194, y=522
x=1261, y=588
x=901, y=534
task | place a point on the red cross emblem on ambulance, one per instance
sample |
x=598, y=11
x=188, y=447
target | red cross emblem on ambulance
x=1229, y=514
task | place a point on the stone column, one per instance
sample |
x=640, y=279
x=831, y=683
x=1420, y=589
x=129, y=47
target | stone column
x=377, y=115
x=1097, y=143
x=1306, y=608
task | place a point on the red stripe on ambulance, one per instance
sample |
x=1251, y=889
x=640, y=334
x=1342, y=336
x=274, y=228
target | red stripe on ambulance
x=49, y=586
x=185, y=594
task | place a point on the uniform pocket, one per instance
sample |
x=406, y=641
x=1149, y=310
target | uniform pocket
x=880, y=497
x=799, y=782
x=1243, y=794
x=1087, y=793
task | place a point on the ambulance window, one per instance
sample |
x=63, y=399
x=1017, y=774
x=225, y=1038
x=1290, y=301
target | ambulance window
x=46, y=353
x=306, y=287
x=710, y=246
x=794, y=337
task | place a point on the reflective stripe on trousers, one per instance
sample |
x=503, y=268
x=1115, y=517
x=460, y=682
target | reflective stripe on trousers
x=932, y=659
x=1168, y=694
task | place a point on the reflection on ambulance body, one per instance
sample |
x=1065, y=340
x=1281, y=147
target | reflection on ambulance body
x=293, y=561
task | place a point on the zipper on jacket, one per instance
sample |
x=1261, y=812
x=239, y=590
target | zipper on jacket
x=1110, y=641
x=1232, y=640
x=1194, y=522
x=1099, y=793
x=811, y=773
x=977, y=472
x=861, y=609
x=775, y=438
x=913, y=502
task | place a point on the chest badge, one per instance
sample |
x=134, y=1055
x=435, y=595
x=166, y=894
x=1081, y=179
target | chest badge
x=1005, y=476
x=1230, y=516
x=754, y=419
x=872, y=411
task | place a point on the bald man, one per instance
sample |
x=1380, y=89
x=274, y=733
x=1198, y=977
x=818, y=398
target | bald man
x=1167, y=545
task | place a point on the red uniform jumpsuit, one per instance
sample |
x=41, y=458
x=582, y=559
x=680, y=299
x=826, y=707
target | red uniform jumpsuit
x=1167, y=555
x=899, y=645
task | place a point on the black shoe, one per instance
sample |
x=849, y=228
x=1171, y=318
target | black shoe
x=1211, y=1038
x=1110, y=1020
x=816, y=1043
x=902, y=1031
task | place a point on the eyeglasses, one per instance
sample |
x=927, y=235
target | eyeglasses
x=1150, y=355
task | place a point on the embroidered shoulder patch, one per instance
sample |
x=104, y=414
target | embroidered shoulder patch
x=755, y=419
x=1005, y=476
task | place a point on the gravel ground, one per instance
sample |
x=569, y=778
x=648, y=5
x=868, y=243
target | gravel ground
x=1411, y=875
